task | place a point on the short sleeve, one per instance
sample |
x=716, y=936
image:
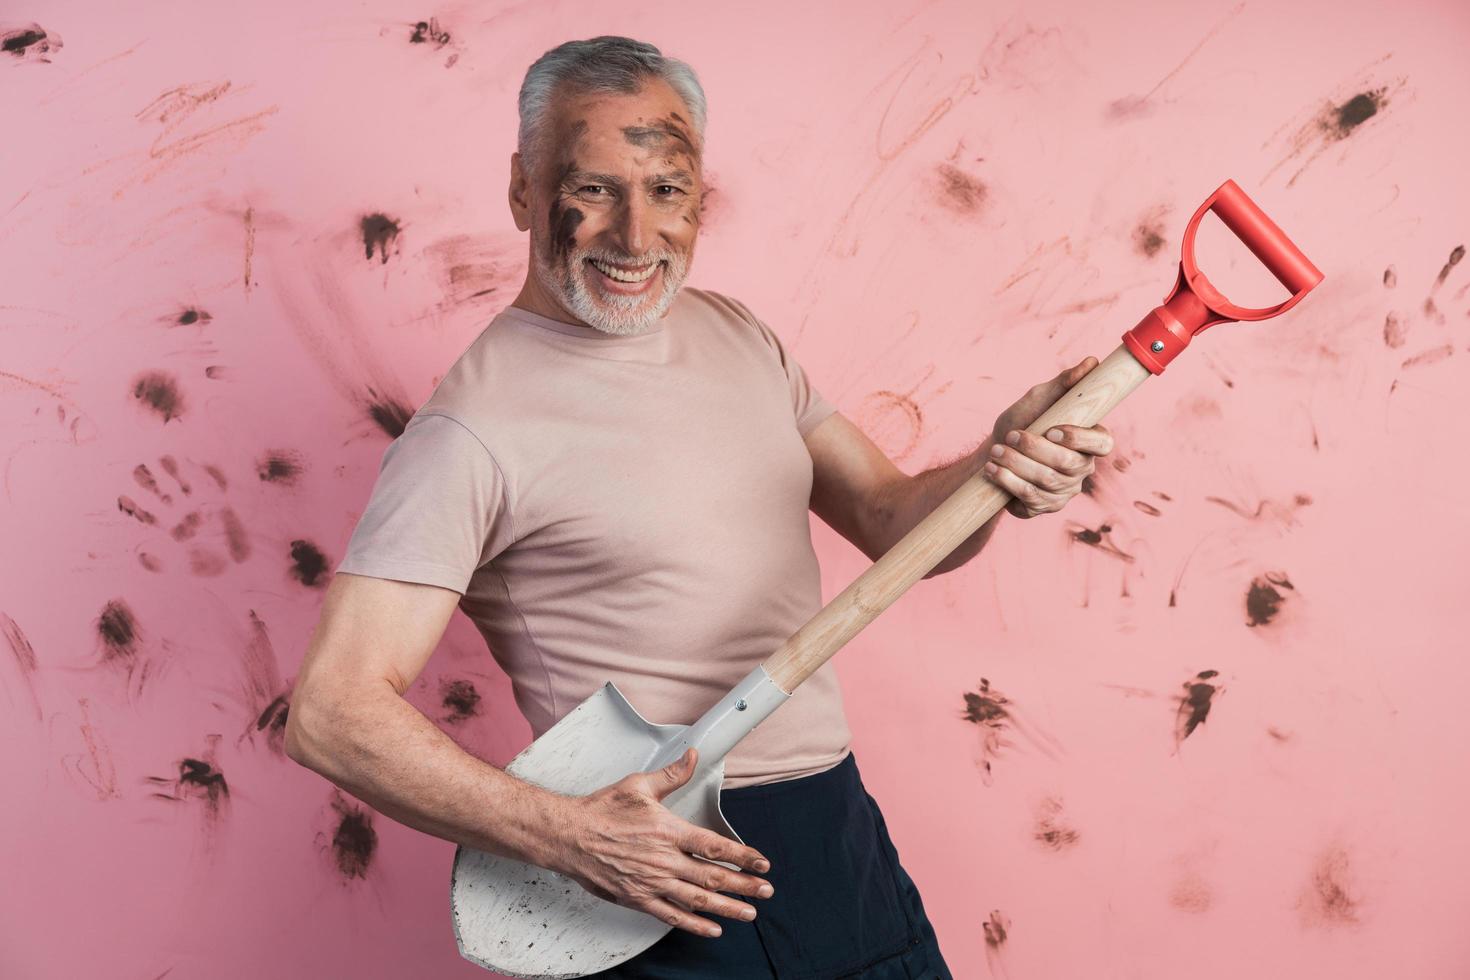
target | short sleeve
x=438, y=510
x=807, y=404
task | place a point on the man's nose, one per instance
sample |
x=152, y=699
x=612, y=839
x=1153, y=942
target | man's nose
x=635, y=224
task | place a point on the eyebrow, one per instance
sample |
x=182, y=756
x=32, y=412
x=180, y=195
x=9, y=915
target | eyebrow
x=667, y=177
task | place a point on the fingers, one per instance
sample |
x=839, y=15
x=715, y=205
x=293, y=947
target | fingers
x=708, y=844
x=698, y=899
x=1095, y=441
x=1035, y=500
x=671, y=914
x=1047, y=465
x=718, y=878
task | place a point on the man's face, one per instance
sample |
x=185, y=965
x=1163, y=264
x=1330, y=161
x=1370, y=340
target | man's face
x=614, y=206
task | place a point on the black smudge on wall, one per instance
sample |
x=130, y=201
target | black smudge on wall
x=1263, y=599
x=158, y=391
x=308, y=564
x=1341, y=121
x=379, y=233
x=459, y=699
x=960, y=193
x=30, y=43
x=388, y=413
x=354, y=841
x=279, y=466
x=1194, y=706
x=117, y=627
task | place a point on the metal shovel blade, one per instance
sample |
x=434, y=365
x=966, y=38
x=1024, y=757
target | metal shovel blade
x=525, y=921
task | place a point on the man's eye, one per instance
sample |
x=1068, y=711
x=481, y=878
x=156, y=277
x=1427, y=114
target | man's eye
x=591, y=187
x=671, y=187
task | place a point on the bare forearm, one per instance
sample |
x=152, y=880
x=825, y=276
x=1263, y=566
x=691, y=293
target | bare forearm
x=907, y=502
x=383, y=750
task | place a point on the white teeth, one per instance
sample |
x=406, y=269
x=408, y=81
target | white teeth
x=622, y=276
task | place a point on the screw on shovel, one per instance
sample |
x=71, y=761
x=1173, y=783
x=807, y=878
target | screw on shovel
x=525, y=921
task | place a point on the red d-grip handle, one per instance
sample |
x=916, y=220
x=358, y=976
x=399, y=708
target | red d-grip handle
x=1195, y=303
x=1261, y=235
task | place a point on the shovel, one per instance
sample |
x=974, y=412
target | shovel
x=525, y=921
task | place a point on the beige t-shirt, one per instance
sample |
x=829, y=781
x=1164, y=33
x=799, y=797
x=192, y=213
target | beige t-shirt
x=626, y=509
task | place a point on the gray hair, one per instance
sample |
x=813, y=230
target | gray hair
x=601, y=64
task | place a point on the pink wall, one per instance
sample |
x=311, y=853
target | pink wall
x=937, y=205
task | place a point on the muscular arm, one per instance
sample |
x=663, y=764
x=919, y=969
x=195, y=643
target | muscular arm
x=349, y=722
x=864, y=497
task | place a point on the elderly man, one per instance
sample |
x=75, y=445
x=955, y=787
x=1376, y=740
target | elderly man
x=613, y=483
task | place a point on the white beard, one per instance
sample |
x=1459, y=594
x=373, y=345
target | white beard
x=620, y=315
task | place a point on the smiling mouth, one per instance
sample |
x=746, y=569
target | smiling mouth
x=633, y=275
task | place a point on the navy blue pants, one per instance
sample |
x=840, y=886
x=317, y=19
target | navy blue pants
x=843, y=908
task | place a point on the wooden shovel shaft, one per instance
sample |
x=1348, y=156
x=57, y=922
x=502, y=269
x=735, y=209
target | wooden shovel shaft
x=944, y=529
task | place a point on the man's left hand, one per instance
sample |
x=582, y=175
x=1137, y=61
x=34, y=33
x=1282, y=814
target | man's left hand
x=1042, y=473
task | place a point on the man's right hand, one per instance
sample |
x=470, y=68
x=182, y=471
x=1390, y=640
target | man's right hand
x=622, y=845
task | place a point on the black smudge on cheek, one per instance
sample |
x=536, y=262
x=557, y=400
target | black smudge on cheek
x=379, y=232
x=279, y=466
x=1390, y=278
x=159, y=392
x=191, y=316
x=354, y=841
x=308, y=564
x=1194, y=706
x=460, y=700
x=564, y=223
x=1263, y=600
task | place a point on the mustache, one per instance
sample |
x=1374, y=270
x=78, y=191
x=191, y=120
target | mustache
x=623, y=258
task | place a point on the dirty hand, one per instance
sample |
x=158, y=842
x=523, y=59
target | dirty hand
x=622, y=845
x=1042, y=474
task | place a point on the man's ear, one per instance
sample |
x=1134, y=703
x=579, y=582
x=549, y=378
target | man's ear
x=519, y=194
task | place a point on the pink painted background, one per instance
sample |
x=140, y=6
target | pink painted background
x=239, y=244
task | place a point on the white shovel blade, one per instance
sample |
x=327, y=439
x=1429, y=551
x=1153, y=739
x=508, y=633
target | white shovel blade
x=525, y=921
